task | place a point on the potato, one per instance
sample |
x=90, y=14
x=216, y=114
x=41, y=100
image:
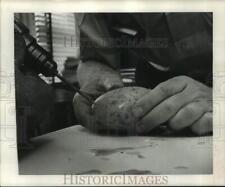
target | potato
x=113, y=110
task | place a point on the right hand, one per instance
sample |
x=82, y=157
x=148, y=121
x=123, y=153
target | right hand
x=94, y=79
x=181, y=102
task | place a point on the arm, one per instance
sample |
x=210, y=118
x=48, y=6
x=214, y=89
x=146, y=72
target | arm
x=98, y=72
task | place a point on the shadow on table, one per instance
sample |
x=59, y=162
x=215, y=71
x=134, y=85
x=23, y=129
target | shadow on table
x=32, y=148
x=161, y=131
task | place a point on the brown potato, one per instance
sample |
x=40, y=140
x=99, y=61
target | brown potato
x=113, y=110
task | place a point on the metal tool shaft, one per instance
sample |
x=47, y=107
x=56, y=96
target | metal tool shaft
x=74, y=87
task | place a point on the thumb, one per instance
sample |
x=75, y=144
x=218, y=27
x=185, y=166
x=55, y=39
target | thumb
x=82, y=109
x=110, y=84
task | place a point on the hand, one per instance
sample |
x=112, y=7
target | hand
x=95, y=79
x=181, y=102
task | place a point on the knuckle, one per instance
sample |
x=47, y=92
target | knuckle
x=173, y=85
x=164, y=89
x=198, y=94
x=185, y=78
x=169, y=107
x=201, y=107
x=182, y=78
x=191, y=108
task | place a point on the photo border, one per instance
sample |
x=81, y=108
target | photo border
x=9, y=161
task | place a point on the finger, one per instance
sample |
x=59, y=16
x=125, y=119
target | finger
x=108, y=85
x=83, y=110
x=203, y=125
x=164, y=111
x=187, y=115
x=169, y=107
x=111, y=81
x=158, y=94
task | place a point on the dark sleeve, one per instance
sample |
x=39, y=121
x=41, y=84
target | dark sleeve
x=192, y=36
x=96, y=41
x=188, y=45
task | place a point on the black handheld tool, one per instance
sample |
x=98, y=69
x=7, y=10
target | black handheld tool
x=41, y=58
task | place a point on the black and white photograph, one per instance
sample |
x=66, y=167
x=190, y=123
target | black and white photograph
x=114, y=93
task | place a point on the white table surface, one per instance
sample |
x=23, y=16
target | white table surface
x=75, y=150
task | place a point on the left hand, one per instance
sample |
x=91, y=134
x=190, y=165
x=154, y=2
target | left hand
x=181, y=102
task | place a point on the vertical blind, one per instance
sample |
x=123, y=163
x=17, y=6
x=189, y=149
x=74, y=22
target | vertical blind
x=42, y=27
x=58, y=34
x=64, y=38
x=43, y=35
